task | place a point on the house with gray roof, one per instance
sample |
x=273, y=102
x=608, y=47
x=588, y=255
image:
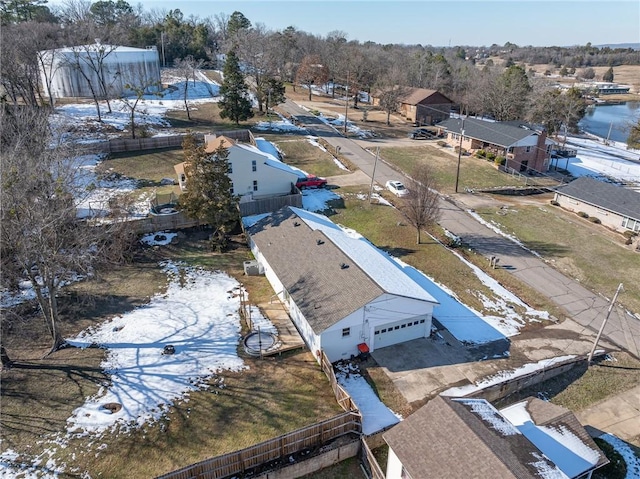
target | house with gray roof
x=344, y=295
x=463, y=438
x=615, y=206
x=524, y=147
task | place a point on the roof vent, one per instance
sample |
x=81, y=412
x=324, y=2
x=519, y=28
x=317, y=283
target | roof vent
x=296, y=223
x=319, y=241
x=344, y=266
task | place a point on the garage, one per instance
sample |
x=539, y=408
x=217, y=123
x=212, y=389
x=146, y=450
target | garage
x=399, y=332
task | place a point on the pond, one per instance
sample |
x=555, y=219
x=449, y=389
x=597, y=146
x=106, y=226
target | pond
x=611, y=120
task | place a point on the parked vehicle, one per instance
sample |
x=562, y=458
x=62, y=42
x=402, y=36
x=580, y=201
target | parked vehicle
x=311, y=181
x=397, y=188
x=421, y=134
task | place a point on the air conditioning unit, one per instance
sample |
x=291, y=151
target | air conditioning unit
x=253, y=268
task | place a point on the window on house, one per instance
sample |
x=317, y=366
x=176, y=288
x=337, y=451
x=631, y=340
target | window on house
x=396, y=327
x=231, y=189
x=229, y=168
x=415, y=322
x=254, y=165
x=255, y=185
x=528, y=150
x=383, y=331
x=403, y=326
x=346, y=332
x=421, y=321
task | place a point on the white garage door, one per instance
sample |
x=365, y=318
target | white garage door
x=398, y=332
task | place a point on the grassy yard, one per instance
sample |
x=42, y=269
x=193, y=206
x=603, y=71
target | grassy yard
x=475, y=173
x=38, y=395
x=298, y=152
x=587, y=252
x=387, y=229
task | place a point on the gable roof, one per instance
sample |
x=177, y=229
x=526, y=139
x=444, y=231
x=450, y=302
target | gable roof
x=495, y=132
x=607, y=196
x=416, y=95
x=469, y=438
x=215, y=143
x=307, y=252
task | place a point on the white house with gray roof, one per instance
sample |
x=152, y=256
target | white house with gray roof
x=341, y=291
x=615, y=206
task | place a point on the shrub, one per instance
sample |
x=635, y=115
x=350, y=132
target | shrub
x=617, y=467
x=441, y=143
x=582, y=214
x=555, y=203
x=481, y=153
x=457, y=149
x=491, y=156
x=500, y=160
x=595, y=220
x=629, y=234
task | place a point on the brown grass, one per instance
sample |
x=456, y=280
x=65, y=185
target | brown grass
x=38, y=395
x=590, y=253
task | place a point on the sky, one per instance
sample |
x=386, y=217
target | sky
x=438, y=23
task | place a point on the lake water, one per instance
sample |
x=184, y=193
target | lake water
x=599, y=118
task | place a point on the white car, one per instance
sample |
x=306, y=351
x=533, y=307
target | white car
x=397, y=188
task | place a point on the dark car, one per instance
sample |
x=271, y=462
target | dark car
x=421, y=134
x=311, y=181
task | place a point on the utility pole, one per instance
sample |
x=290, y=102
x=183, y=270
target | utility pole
x=609, y=134
x=604, y=322
x=374, y=173
x=164, y=62
x=459, y=154
x=346, y=105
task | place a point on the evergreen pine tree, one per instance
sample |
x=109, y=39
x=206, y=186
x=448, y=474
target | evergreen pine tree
x=235, y=103
x=208, y=197
x=633, y=141
x=608, y=75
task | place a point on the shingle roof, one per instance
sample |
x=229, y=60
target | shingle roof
x=416, y=95
x=307, y=255
x=494, y=132
x=610, y=197
x=469, y=438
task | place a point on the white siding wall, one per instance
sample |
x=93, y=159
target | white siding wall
x=531, y=140
x=270, y=180
x=394, y=466
x=607, y=218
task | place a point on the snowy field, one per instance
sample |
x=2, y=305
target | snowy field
x=205, y=333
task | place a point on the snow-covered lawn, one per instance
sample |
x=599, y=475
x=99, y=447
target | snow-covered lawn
x=198, y=315
x=612, y=162
x=375, y=415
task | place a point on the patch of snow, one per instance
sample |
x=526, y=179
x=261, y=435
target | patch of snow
x=198, y=315
x=375, y=415
x=603, y=161
x=503, y=376
x=546, y=469
x=490, y=415
x=317, y=199
x=159, y=238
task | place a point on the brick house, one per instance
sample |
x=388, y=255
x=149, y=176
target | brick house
x=421, y=106
x=525, y=147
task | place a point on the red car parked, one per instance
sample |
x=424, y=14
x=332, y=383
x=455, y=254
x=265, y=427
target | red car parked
x=311, y=181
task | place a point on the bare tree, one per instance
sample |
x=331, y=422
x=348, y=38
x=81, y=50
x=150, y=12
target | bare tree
x=90, y=61
x=43, y=241
x=187, y=68
x=311, y=72
x=422, y=206
x=390, y=89
x=134, y=92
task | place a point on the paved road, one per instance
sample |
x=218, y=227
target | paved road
x=585, y=307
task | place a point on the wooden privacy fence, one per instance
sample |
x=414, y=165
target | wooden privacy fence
x=272, y=450
x=152, y=224
x=369, y=461
x=268, y=205
x=342, y=396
